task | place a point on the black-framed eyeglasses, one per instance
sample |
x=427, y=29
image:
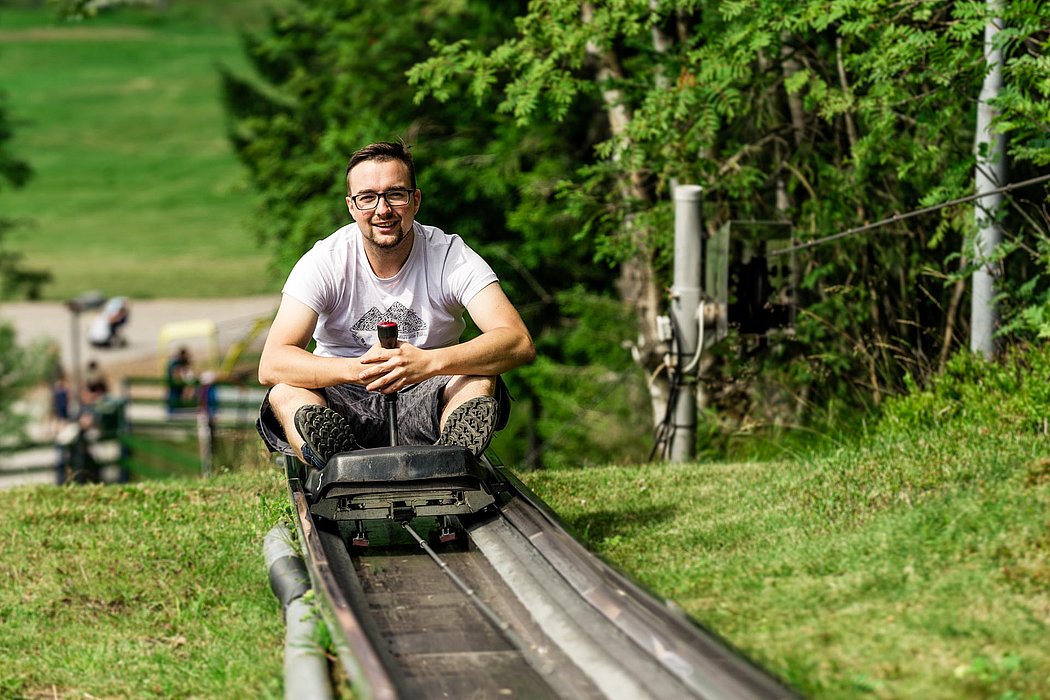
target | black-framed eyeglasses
x=370, y=200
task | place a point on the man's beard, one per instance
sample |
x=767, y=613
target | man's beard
x=389, y=240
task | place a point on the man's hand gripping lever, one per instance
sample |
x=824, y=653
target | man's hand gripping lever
x=388, y=339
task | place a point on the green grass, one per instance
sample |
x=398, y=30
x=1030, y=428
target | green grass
x=136, y=189
x=912, y=562
x=890, y=569
x=150, y=590
x=939, y=592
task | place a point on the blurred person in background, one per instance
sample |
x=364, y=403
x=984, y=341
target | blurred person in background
x=105, y=329
x=179, y=378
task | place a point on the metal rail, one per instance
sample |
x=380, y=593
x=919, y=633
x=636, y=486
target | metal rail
x=527, y=611
x=359, y=657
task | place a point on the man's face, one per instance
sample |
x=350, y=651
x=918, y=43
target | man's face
x=385, y=226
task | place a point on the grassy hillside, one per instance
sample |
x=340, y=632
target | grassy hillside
x=151, y=590
x=136, y=190
x=940, y=592
x=911, y=563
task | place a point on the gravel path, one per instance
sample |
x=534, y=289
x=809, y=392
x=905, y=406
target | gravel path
x=234, y=317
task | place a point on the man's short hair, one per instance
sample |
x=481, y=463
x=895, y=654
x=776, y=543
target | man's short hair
x=382, y=151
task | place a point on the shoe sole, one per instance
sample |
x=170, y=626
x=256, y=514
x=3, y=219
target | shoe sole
x=325, y=432
x=471, y=425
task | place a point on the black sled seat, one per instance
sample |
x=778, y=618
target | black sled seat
x=399, y=483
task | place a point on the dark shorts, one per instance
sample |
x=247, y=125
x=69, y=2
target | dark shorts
x=418, y=414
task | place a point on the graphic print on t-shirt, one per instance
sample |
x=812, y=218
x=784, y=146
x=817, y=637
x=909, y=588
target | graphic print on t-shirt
x=409, y=325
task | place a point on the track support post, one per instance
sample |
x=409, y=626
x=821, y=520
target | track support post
x=686, y=295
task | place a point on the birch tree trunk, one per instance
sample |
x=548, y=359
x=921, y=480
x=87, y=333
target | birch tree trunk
x=990, y=173
x=637, y=281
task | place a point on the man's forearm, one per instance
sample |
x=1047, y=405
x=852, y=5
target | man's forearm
x=492, y=353
x=297, y=367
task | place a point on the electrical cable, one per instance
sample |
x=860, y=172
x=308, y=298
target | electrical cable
x=665, y=429
x=700, y=340
x=906, y=215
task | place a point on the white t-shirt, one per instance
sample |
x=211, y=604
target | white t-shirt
x=426, y=298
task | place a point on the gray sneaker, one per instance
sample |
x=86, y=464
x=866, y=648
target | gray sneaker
x=471, y=425
x=325, y=432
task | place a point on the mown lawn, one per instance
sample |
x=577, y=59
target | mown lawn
x=845, y=587
x=147, y=590
x=886, y=570
x=136, y=190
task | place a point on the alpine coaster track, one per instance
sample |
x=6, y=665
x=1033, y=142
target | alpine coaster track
x=500, y=602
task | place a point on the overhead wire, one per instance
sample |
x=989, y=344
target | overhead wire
x=907, y=215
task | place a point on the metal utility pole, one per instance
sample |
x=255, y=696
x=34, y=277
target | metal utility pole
x=990, y=149
x=78, y=305
x=686, y=294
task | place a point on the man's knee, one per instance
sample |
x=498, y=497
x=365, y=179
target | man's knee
x=285, y=398
x=463, y=387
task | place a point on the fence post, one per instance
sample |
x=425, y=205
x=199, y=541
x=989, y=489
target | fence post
x=206, y=421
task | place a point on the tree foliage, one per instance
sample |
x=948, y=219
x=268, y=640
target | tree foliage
x=823, y=114
x=21, y=368
x=15, y=278
x=551, y=132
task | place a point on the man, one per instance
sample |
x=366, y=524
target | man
x=387, y=267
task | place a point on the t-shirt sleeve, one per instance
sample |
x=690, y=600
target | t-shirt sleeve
x=308, y=282
x=466, y=272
